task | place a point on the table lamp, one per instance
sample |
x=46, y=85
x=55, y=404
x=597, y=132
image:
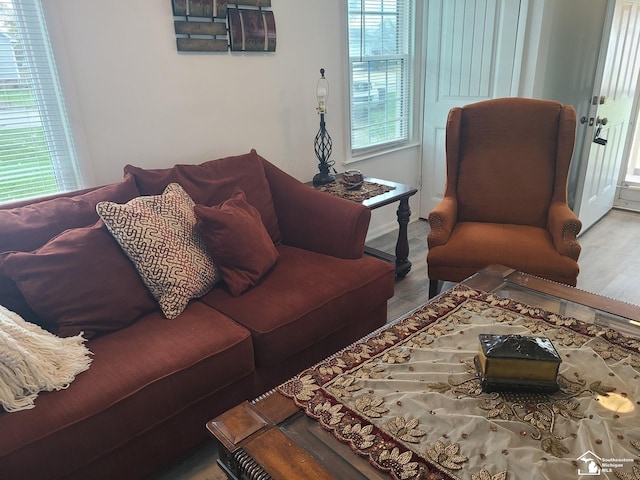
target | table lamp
x=322, y=143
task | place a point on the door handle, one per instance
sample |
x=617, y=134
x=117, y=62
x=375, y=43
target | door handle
x=598, y=139
x=602, y=121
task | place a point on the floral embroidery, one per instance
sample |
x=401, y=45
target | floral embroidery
x=328, y=414
x=485, y=475
x=333, y=366
x=421, y=340
x=528, y=310
x=369, y=370
x=608, y=351
x=427, y=313
x=396, y=355
x=463, y=292
x=398, y=463
x=629, y=476
x=537, y=326
x=360, y=351
x=302, y=388
x=407, y=326
x=501, y=316
x=349, y=396
x=476, y=307
x=405, y=430
x=541, y=411
x=498, y=408
x=569, y=337
x=460, y=318
x=358, y=436
x=343, y=387
x=567, y=408
x=562, y=321
x=439, y=330
x=599, y=389
x=385, y=338
x=539, y=418
x=371, y=406
x=595, y=330
x=497, y=301
x=446, y=455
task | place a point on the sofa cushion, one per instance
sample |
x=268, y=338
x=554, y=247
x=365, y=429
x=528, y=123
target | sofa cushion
x=238, y=242
x=141, y=376
x=28, y=227
x=304, y=299
x=160, y=235
x=80, y=281
x=213, y=182
x=31, y=226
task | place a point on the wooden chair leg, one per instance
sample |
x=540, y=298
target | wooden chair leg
x=434, y=287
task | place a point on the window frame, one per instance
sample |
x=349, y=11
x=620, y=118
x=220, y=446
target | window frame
x=410, y=91
x=40, y=80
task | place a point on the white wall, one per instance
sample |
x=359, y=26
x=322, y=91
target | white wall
x=132, y=98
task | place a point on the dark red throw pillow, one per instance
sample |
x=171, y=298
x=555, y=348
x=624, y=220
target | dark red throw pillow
x=80, y=281
x=237, y=241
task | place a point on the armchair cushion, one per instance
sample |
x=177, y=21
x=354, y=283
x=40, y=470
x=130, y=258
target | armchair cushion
x=474, y=245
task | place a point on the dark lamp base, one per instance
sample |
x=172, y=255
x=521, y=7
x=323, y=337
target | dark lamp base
x=323, y=178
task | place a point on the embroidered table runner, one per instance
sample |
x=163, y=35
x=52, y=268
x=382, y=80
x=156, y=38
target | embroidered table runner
x=366, y=191
x=409, y=399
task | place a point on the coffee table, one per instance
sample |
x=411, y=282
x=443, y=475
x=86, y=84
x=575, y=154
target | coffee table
x=272, y=438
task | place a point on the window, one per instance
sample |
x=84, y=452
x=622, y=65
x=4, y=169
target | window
x=36, y=151
x=381, y=85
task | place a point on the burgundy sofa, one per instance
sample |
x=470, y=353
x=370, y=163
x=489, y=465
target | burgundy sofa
x=154, y=382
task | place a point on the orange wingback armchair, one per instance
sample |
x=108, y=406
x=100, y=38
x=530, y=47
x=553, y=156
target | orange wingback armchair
x=505, y=199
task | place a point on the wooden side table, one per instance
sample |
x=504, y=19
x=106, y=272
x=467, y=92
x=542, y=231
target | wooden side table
x=399, y=193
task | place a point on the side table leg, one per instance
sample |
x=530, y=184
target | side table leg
x=403, y=265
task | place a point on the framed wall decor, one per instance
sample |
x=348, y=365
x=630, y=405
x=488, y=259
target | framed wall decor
x=252, y=30
x=214, y=26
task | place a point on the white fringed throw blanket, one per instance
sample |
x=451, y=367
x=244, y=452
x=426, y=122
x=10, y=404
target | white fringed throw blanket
x=33, y=360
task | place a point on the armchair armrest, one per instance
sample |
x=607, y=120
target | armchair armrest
x=442, y=219
x=315, y=220
x=564, y=226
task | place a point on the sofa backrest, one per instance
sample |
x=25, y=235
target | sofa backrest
x=214, y=182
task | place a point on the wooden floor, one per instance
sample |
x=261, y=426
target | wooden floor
x=609, y=265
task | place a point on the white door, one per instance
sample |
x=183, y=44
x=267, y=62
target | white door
x=473, y=53
x=610, y=113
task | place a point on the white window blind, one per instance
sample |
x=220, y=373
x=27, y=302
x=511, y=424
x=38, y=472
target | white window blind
x=36, y=151
x=380, y=56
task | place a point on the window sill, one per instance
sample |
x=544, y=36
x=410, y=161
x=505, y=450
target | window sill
x=379, y=153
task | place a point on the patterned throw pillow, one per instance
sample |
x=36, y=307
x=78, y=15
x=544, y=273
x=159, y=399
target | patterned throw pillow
x=160, y=236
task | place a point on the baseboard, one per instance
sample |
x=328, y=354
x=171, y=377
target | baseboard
x=380, y=230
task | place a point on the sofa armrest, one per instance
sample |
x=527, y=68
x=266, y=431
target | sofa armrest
x=442, y=219
x=317, y=221
x=564, y=226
